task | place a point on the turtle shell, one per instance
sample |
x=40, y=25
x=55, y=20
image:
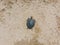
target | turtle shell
x=30, y=23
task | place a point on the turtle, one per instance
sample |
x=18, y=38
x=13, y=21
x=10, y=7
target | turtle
x=30, y=23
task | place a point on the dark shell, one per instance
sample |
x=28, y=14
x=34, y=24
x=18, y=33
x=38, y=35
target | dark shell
x=30, y=23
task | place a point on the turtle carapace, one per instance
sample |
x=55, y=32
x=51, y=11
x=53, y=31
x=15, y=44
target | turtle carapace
x=30, y=23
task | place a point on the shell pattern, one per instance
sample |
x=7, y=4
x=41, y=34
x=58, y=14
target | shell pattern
x=30, y=23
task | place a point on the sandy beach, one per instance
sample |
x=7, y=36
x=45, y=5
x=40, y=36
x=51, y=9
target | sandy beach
x=13, y=18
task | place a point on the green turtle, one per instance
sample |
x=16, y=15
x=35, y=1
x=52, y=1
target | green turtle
x=30, y=23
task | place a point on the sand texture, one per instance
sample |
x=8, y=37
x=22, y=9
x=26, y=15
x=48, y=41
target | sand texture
x=13, y=18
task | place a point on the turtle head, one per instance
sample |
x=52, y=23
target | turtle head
x=31, y=17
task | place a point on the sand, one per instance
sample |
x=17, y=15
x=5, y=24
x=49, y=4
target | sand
x=13, y=18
